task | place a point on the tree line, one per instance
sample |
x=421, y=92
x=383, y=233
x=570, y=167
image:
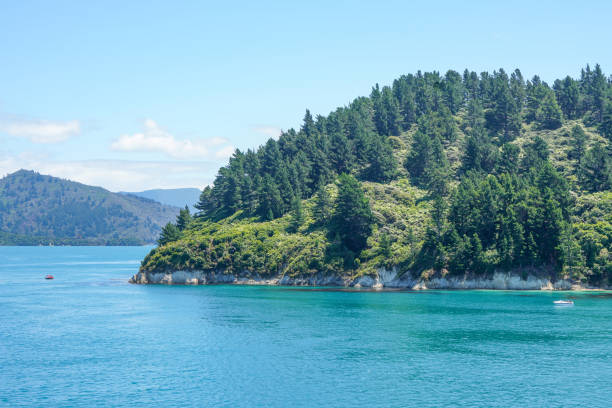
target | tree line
x=504, y=206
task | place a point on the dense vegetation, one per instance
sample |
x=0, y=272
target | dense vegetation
x=454, y=174
x=44, y=210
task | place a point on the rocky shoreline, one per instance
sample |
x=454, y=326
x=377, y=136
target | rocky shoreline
x=384, y=279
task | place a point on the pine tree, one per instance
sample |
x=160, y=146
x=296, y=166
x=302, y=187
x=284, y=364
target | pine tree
x=595, y=169
x=322, y=206
x=548, y=114
x=530, y=251
x=169, y=233
x=297, y=216
x=536, y=153
x=270, y=201
x=205, y=204
x=504, y=115
x=578, y=143
x=309, y=126
x=568, y=96
x=453, y=91
x=341, y=153
x=426, y=160
x=352, y=219
x=382, y=162
x=183, y=219
x=480, y=154
x=605, y=127
x=392, y=112
x=508, y=159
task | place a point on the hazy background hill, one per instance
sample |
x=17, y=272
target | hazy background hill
x=177, y=197
x=42, y=210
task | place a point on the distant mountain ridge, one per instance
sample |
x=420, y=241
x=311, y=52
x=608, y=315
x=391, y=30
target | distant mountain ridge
x=177, y=197
x=38, y=209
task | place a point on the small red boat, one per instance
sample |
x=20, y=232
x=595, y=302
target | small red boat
x=49, y=277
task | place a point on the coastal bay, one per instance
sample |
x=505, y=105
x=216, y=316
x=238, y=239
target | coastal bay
x=88, y=338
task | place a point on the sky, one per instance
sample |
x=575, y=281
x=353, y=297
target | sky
x=140, y=95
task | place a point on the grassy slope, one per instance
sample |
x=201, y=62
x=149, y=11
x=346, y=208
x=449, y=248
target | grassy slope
x=401, y=210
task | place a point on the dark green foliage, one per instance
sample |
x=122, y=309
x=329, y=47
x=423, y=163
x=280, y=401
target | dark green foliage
x=578, y=142
x=536, y=91
x=270, y=201
x=595, y=169
x=382, y=162
x=44, y=210
x=568, y=95
x=385, y=245
x=297, y=215
x=323, y=206
x=508, y=159
x=352, y=220
x=504, y=113
x=480, y=153
x=183, y=219
x=548, y=114
x=519, y=220
x=426, y=161
x=169, y=233
x=490, y=168
x=536, y=153
x=605, y=127
x=353, y=139
x=206, y=203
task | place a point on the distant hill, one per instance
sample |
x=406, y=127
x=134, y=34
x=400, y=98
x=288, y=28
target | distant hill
x=177, y=197
x=42, y=210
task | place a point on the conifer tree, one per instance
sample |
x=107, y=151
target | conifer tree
x=205, y=204
x=352, y=219
x=536, y=153
x=382, y=162
x=578, y=143
x=297, y=215
x=568, y=96
x=548, y=114
x=594, y=173
x=183, y=219
x=605, y=127
x=322, y=206
x=508, y=159
x=169, y=233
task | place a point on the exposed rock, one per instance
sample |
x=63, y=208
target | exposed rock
x=384, y=279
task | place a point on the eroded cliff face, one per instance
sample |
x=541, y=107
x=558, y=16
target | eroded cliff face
x=384, y=279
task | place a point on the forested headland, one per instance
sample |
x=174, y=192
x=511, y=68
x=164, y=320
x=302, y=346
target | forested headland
x=435, y=175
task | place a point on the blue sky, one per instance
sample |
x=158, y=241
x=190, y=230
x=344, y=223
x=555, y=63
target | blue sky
x=137, y=95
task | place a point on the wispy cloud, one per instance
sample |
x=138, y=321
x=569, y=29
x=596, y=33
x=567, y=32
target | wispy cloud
x=154, y=139
x=270, y=131
x=118, y=175
x=39, y=131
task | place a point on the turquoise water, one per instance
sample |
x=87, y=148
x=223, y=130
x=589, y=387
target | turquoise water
x=90, y=339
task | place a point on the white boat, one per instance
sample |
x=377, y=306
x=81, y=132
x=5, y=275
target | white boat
x=563, y=302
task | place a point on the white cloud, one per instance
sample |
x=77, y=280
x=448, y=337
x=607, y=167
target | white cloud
x=225, y=152
x=270, y=131
x=154, y=139
x=118, y=175
x=40, y=131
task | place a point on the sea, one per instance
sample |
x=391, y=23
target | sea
x=88, y=338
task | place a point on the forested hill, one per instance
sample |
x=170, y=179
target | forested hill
x=460, y=174
x=44, y=210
